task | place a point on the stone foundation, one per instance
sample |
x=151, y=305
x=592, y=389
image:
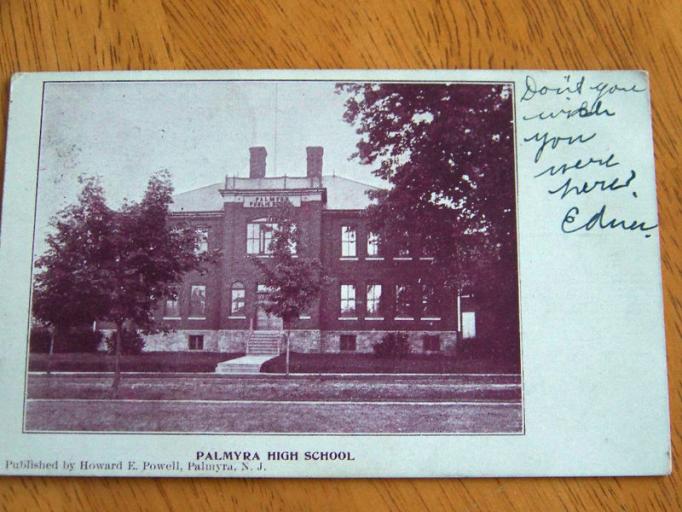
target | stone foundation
x=301, y=340
x=305, y=340
x=214, y=341
x=365, y=340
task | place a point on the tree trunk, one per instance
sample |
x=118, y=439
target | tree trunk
x=117, y=360
x=50, y=350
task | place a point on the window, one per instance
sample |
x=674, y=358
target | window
x=293, y=245
x=348, y=242
x=347, y=343
x=196, y=342
x=373, y=245
x=468, y=324
x=171, y=307
x=373, y=300
x=403, y=246
x=238, y=300
x=347, y=300
x=427, y=248
x=403, y=301
x=202, y=240
x=264, y=289
x=431, y=343
x=429, y=302
x=197, y=301
x=259, y=237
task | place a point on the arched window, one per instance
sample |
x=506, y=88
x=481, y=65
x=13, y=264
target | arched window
x=238, y=299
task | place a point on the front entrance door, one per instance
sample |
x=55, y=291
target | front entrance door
x=265, y=321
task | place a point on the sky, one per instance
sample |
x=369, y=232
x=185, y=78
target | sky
x=199, y=131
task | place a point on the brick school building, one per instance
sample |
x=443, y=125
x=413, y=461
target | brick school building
x=373, y=286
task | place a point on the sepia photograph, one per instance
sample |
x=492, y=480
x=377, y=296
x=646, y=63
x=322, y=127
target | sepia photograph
x=275, y=257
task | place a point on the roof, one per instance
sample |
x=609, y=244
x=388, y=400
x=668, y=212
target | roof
x=342, y=193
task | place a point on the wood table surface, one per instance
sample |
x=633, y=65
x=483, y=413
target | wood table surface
x=63, y=35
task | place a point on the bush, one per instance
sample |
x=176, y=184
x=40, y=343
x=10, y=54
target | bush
x=39, y=340
x=393, y=345
x=77, y=339
x=83, y=339
x=131, y=342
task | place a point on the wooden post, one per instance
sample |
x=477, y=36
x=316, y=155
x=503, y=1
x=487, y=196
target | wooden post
x=117, y=360
x=51, y=349
x=287, y=354
x=248, y=339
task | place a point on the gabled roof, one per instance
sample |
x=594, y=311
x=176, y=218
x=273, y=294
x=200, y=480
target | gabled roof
x=342, y=193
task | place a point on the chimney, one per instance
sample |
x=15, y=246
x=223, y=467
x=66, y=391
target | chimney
x=314, y=169
x=257, y=162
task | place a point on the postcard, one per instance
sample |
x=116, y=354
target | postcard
x=331, y=274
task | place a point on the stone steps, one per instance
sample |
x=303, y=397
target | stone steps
x=264, y=343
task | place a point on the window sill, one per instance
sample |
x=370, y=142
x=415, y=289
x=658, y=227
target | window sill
x=404, y=318
x=304, y=317
x=431, y=318
x=236, y=317
x=348, y=258
x=259, y=255
x=426, y=258
x=348, y=318
x=172, y=318
x=374, y=318
x=402, y=258
x=374, y=258
x=196, y=318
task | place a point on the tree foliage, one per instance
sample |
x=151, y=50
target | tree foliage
x=103, y=264
x=67, y=285
x=147, y=256
x=294, y=279
x=113, y=265
x=446, y=152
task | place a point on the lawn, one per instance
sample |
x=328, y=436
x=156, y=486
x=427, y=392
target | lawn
x=221, y=417
x=275, y=403
x=369, y=363
x=145, y=362
x=266, y=387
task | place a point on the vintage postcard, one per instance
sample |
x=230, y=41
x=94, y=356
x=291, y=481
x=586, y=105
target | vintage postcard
x=331, y=273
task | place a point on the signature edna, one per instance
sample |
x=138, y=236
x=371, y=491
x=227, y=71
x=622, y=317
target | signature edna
x=600, y=221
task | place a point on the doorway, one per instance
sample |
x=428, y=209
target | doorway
x=265, y=321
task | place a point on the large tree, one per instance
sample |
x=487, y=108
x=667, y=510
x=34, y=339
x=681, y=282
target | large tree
x=294, y=278
x=118, y=263
x=67, y=287
x=446, y=152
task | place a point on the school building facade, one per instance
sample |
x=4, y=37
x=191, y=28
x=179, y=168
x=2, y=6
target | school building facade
x=372, y=286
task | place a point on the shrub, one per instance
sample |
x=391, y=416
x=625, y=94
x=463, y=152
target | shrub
x=76, y=339
x=132, y=342
x=39, y=340
x=392, y=345
x=82, y=339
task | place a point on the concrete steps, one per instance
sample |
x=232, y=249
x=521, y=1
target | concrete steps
x=264, y=342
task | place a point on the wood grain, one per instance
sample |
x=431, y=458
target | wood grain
x=179, y=34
